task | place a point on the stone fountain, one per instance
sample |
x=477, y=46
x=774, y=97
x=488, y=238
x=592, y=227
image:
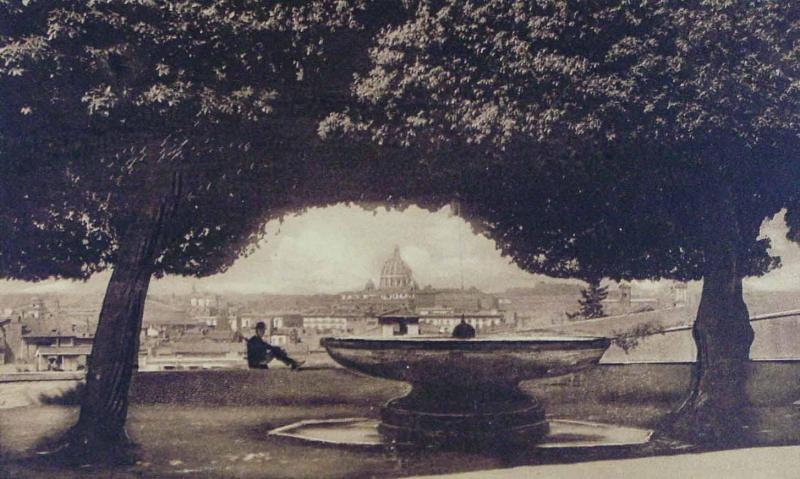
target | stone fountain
x=465, y=392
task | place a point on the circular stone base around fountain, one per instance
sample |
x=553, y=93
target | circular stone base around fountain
x=497, y=423
x=364, y=433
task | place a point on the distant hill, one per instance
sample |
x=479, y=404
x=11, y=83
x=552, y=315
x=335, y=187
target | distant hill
x=544, y=289
x=290, y=302
x=157, y=312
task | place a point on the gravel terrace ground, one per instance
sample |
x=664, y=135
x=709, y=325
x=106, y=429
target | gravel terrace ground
x=214, y=423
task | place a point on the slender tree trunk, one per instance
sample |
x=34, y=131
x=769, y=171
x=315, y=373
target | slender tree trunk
x=99, y=435
x=715, y=413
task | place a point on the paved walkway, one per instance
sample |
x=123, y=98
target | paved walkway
x=757, y=463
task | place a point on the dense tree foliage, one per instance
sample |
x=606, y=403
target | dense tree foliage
x=108, y=99
x=631, y=140
x=650, y=99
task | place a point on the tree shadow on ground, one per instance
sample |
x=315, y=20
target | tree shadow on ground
x=70, y=397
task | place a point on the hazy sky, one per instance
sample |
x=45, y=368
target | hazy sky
x=340, y=248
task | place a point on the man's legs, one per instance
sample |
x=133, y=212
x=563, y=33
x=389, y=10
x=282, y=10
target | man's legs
x=263, y=364
x=283, y=357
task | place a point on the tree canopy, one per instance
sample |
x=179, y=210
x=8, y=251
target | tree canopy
x=598, y=139
x=105, y=104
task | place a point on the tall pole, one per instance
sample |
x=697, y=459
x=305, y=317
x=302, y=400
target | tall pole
x=460, y=246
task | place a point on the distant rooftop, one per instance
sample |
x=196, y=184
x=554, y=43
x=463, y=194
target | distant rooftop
x=399, y=313
x=52, y=328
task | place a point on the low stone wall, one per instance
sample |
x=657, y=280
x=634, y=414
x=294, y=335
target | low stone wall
x=769, y=382
x=776, y=339
x=42, y=376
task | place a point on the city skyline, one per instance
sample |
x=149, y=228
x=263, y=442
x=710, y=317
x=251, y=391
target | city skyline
x=339, y=248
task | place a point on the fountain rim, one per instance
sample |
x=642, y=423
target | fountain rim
x=486, y=343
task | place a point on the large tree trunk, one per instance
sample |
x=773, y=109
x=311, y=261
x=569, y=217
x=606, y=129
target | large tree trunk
x=99, y=435
x=715, y=413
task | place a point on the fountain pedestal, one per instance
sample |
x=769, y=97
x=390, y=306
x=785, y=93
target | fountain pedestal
x=465, y=391
x=473, y=421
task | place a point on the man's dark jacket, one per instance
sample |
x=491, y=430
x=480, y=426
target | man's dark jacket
x=258, y=351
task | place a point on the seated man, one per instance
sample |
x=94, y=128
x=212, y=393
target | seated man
x=260, y=352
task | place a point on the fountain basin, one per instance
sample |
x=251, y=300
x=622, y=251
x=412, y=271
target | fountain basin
x=465, y=391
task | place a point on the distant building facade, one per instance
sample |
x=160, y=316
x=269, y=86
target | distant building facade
x=622, y=301
x=40, y=338
x=54, y=347
x=399, y=323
